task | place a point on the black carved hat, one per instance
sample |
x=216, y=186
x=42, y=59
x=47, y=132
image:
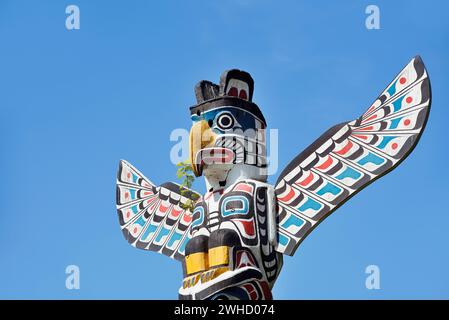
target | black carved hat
x=235, y=89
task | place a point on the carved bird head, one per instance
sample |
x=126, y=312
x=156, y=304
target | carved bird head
x=228, y=128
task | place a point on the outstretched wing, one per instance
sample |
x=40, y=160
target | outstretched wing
x=151, y=217
x=351, y=155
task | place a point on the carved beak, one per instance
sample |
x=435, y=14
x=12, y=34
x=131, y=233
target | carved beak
x=201, y=136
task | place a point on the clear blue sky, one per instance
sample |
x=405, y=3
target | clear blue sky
x=75, y=102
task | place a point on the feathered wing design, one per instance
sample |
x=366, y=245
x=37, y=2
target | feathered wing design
x=151, y=217
x=351, y=155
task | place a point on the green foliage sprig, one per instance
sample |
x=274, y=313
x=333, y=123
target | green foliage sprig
x=185, y=172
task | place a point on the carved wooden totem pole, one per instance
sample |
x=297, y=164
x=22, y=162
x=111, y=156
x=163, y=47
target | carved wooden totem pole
x=232, y=240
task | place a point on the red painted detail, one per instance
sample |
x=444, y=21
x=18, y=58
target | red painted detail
x=128, y=175
x=407, y=122
x=244, y=187
x=371, y=108
x=402, y=80
x=243, y=95
x=251, y=291
x=175, y=213
x=248, y=225
x=126, y=195
x=147, y=193
x=152, y=206
x=374, y=116
x=409, y=100
x=149, y=201
x=162, y=208
x=394, y=146
x=326, y=164
x=128, y=214
x=360, y=136
x=366, y=128
x=307, y=180
x=216, y=155
x=288, y=196
x=135, y=230
x=240, y=264
x=187, y=218
x=233, y=92
x=345, y=149
x=266, y=290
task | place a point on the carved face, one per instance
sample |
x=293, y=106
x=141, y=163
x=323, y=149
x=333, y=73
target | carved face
x=227, y=135
x=228, y=128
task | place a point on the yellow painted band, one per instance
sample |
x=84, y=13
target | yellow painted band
x=196, y=262
x=218, y=256
x=212, y=274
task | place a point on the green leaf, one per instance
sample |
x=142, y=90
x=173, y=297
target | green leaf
x=185, y=173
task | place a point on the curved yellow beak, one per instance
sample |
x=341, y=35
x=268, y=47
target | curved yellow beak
x=201, y=136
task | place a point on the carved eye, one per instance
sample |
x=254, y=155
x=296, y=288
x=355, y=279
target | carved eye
x=225, y=121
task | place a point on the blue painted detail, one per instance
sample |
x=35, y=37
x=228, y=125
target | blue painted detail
x=372, y=158
x=134, y=209
x=200, y=219
x=244, y=208
x=385, y=141
x=283, y=240
x=397, y=105
x=293, y=221
x=151, y=229
x=310, y=204
x=132, y=192
x=392, y=89
x=162, y=233
x=182, y=247
x=245, y=119
x=329, y=188
x=135, y=178
x=349, y=173
x=395, y=122
x=176, y=236
x=140, y=221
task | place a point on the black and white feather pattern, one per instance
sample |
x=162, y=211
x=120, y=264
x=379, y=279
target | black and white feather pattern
x=151, y=217
x=349, y=156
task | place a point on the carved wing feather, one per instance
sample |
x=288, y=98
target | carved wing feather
x=351, y=155
x=151, y=217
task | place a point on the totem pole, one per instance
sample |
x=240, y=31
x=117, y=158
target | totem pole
x=231, y=241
